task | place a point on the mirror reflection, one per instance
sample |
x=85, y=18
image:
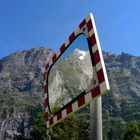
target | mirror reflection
x=71, y=74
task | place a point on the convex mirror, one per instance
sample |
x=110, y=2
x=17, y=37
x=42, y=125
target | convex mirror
x=71, y=75
x=75, y=75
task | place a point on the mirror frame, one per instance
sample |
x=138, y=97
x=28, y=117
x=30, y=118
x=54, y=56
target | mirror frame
x=88, y=28
x=84, y=91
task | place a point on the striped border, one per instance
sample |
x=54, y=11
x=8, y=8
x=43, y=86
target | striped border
x=87, y=27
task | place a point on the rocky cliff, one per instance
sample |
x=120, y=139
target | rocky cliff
x=21, y=91
x=122, y=104
x=69, y=77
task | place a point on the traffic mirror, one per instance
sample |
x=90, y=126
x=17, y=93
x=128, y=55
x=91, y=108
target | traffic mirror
x=76, y=75
x=71, y=75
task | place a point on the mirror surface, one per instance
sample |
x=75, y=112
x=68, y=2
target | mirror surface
x=71, y=74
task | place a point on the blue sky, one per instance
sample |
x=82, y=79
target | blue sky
x=26, y=24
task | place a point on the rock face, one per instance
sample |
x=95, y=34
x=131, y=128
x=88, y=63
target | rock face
x=69, y=77
x=21, y=89
x=122, y=104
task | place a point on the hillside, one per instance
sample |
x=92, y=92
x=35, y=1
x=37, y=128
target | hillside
x=21, y=91
x=122, y=104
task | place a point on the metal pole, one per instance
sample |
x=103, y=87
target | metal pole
x=96, y=119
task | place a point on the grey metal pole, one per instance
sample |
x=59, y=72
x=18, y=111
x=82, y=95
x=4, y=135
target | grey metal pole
x=96, y=119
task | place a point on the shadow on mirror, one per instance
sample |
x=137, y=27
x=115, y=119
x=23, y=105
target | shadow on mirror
x=71, y=74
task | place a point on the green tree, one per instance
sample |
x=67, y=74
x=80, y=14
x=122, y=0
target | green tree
x=39, y=129
x=71, y=128
x=133, y=131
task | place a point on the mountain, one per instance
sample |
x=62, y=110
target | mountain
x=21, y=89
x=69, y=77
x=122, y=104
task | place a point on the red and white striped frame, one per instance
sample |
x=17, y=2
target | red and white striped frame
x=88, y=28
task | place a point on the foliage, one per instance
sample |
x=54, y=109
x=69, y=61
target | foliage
x=113, y=128
x=39, y=130
x=72, y=128
x=19, y=137
x=133, y=131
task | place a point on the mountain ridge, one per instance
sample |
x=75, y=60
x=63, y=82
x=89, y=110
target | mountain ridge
x=21, y=90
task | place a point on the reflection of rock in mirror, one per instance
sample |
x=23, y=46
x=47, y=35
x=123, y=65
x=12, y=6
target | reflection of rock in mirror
x=71, y=74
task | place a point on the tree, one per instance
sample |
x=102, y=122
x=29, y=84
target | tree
x=72, y=128
x=39, y=129
x=133, y=131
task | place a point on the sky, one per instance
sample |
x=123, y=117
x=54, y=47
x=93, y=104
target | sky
x=79, y=43
x=26, y=24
